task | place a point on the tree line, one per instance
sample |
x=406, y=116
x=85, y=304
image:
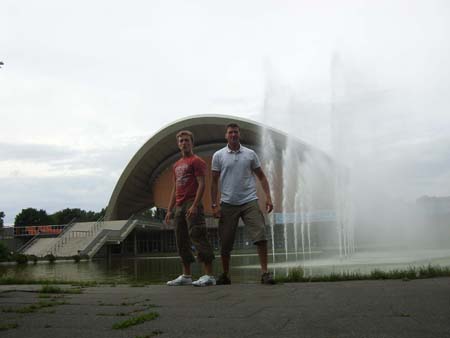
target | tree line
x=32, y=216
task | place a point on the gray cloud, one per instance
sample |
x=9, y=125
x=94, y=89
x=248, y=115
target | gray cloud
x=34, y=152
x=54, y=193
x=85, y=88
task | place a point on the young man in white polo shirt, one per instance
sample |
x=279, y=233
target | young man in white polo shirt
x=236, y=166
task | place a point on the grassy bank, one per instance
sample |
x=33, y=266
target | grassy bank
x=19, y=281
x=297, y=275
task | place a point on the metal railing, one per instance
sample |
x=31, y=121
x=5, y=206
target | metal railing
x=109, y=235
x=97, y=225
x=32, y=230
x=67, y=227
x=127, y=227
x=95, y=245
x=63, y=238
x=28, y=244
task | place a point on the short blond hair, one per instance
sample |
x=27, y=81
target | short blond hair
x=185, y=132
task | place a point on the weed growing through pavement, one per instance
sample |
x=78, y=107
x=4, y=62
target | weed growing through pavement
x=33, y=307
x=56, y=289
x=8, y=326
x=153, y=334
x=135, y=320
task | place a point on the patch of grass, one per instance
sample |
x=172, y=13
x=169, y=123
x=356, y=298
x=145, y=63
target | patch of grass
x=73, y=291
x=47, y=296
x=296, y=275
x=153, y=334
x=106, y=304
x=8, y=280
x=21, y=258
x=50, y=257
x=50, y=311
x=120, y=314
x=128, y=304
x=50, y=289
x=135, y=320
x=8, y=326
x=33, y=307
x=56, y=289
x=5, y=280
x=33, y=258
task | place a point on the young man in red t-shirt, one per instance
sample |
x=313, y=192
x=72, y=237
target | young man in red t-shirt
x=190, y=227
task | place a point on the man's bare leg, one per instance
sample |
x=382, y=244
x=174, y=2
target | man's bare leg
x=262, y=253
x=187, y=269
x=225, y=264
x=208, y=269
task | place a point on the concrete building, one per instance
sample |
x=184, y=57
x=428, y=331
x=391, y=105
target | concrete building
x=147, y=179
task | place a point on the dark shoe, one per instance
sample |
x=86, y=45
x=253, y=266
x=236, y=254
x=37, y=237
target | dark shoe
x=223, y=280
x=266, y=278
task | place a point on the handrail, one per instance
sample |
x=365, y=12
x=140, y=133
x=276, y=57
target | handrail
x=67, y=227
x=101, y=238
x=94, y=229
x=105, y=235
x=28, y=244
x=62, y=238
x=99, y=234
x=128, y=224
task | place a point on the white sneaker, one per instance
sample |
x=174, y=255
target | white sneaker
x=180, y=280
x=205, y=280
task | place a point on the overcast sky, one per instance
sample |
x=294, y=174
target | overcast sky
x=86, y=83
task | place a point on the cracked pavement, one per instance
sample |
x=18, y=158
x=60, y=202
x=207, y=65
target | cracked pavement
x=363, y=309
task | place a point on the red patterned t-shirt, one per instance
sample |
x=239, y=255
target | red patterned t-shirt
x=185, y=171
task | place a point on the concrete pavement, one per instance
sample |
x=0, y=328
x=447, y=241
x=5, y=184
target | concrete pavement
x=363, y=309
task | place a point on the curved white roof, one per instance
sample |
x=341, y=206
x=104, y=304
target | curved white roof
x=133, y=191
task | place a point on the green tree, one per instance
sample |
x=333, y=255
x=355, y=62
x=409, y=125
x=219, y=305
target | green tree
x=66, y=215
x=32, y=216
x=4, y=252
x=2, y=215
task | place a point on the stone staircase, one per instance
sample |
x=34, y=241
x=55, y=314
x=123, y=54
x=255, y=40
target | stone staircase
x=82, y=238
x=40, y=246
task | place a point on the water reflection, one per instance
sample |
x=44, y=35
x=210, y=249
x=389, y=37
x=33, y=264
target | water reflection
x=245, y=268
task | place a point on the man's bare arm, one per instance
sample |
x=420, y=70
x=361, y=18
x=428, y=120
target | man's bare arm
x=171, y=203
x=214, y=190
x=192, y=211
x=265, y=185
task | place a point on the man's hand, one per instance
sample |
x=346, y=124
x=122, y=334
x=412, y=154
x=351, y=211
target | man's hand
x=168, y=217
x=269, y=205
x=192, y=211
x=216, y=212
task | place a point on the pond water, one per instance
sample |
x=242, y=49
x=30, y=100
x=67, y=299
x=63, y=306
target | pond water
x=245, y=267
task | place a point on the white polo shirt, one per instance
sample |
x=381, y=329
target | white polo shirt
x=237, y=180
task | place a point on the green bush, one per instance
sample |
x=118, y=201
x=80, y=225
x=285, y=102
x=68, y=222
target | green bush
x=296, y=274
x=51, y=258
x=32, y=258
x=21, y=258
x=4, y=252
